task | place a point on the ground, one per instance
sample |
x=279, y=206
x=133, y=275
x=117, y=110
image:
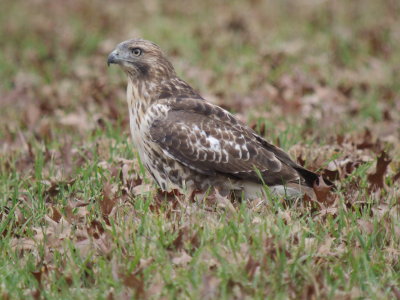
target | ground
x=81, y=219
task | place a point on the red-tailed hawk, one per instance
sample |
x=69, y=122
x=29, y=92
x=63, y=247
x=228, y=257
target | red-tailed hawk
x=187, y=143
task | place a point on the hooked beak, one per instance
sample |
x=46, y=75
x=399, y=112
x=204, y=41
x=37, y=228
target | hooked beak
x=113, y=58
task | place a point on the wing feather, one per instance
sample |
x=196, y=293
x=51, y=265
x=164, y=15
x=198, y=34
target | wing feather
x=211, y=141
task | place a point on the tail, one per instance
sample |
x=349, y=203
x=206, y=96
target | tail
x=312, y=178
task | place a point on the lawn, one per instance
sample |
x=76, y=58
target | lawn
x=80, y=218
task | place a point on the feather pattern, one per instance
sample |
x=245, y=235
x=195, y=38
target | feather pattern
x=210, y=140
x=186, y=142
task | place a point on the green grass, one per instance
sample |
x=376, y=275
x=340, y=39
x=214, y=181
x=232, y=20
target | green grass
x=74, y=221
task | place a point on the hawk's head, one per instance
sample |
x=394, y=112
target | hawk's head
x=141, y=59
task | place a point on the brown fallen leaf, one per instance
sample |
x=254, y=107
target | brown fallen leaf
x=182, y=259
x=136, y=283
x=77, y=120
x=155, y=289
x=95, y=229
x=142, y=189
x=368, y=143
x=36, y=294
x=5, y=296
x=251, y=267
x=84, y=246
x=376, y=179
x=396, y=176
x=323, y=191
x=32, y=114
x=56, y=215
x=168, y=196
x=325, y=248
x=331, y=174
x=366, y=226
x=396, y=292
x=195, y=241
x=108, y=202
x=23, y=244
x=178, y=243
x=38, y=276
x=110, y=295
x=143, y=264
x=171, y=198
x=56, y=186
x=209, y=290
x=43, y=270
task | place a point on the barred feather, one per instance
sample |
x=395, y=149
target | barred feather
x=188, y=143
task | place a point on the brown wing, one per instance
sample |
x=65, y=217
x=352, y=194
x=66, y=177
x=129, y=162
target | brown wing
x=208, y=139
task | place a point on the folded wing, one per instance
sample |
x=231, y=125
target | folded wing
x=211, y=141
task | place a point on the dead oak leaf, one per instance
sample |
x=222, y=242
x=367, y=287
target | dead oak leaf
x=251, y=267
x=376, y=179
x=323, y=191
x=396, y=292
x=57, y=186
x=178, y=242
x=155, y=289
x=181, y=259
x=325, y=248
x=396, y=176
x=142, y=189
x=85, y=247
x=210, y=286
x=23, y=244
x=56, y=215
x=136, y=283
x=108, y=201
x=366, y=226
x=77, y=120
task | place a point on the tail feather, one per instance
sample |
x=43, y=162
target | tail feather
x=311, y=178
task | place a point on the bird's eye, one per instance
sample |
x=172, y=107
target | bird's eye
x=136, y=51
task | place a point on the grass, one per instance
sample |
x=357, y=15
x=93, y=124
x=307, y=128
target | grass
x=81, y=219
